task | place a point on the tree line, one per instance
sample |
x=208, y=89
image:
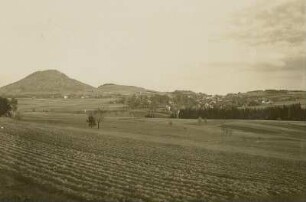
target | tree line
x=293, y=112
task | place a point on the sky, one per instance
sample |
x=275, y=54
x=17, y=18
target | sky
x=209, y=46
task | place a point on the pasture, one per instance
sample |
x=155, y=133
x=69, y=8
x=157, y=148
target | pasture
x=61, y=105
x=55, y=156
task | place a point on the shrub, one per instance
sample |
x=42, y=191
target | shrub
x=91, y=120
x=5, y=107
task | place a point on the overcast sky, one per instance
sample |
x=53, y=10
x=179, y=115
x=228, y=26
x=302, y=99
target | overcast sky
x=210, y=46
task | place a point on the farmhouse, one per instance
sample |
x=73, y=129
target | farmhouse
x=266, y=102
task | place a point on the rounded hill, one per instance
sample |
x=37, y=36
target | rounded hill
x=48, y=82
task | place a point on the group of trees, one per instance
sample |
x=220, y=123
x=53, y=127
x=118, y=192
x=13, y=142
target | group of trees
x=286, y=112
x=160, y=102
x=151, y=103
x=145, y=101
x=8, y=107
x=96, y=117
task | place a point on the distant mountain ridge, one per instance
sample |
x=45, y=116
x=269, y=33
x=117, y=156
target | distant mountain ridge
x=53, y=83
x=46, y=82
x=110, y=88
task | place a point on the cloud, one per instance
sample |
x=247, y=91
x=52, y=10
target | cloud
x=275, y=31
x=272, y=23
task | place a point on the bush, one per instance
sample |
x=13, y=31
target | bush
x=91, y=121
x=5, y=107
x=149, y=115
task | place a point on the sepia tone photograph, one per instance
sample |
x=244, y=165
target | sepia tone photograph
x=152, y=100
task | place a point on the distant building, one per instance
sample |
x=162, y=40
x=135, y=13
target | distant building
x=177, y=114
x=168, y=108
x=266, y=102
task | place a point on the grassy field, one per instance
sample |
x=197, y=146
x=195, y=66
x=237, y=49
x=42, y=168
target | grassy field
x=61, y=105
x=55, y=156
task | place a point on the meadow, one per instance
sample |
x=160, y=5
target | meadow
x=53, y=155
x=61, y=105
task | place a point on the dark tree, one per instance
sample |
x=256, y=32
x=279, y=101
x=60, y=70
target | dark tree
x=91, y=120
x=5, y=107
x=99, y=115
